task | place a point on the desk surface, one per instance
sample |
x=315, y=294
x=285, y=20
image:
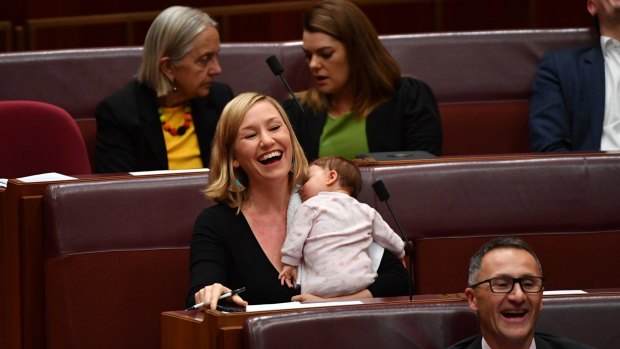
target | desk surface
x=214, y=329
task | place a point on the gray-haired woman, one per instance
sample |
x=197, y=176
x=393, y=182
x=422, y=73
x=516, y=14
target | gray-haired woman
x=166, y=118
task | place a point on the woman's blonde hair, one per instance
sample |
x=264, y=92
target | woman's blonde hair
x=170, y=35
x=374, y=73
x=222, y=173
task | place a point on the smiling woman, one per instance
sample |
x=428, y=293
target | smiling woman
x=256, y=165
x=253, y=128
x=166, y=118
x=260, y=146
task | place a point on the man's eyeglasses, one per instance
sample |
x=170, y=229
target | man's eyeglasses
x=529, y=284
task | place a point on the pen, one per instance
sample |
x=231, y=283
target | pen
x=224, y=295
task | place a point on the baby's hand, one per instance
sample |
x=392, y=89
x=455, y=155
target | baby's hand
x=288, y=275
x=305, y=297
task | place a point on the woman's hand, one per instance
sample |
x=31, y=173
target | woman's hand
x=210, y=295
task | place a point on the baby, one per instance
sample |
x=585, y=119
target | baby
x=331, y=232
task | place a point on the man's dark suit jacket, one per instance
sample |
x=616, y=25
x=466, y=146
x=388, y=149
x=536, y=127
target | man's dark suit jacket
x=130, y=135
x=543, y=341
x=568, y=101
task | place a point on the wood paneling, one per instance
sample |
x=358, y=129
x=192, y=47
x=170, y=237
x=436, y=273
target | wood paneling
x=404, y=16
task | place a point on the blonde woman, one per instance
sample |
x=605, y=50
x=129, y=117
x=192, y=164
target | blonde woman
x=256, y=165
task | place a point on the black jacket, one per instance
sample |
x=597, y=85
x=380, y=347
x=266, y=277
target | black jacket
x=543, y=341
x=407, y=121
x=129, y=133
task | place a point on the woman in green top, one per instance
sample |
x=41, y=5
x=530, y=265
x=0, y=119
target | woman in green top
x=359, y=102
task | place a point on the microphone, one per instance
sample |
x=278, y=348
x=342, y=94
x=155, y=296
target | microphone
x=383, y=195
x=276, y=69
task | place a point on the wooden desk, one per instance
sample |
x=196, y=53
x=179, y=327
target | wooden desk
x=5, y=340
x=21, y=264
x=213, y=329
x=21, y=246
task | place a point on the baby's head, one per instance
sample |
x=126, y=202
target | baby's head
x=332, y=173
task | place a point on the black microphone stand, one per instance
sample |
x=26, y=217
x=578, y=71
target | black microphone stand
x=384, y=195
x=276, y=69
x=408, y=250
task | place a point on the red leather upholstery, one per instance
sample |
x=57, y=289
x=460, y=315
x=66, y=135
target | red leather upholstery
x=38, y=137
x=116, y=256
x=590, y=320
x=75, y=80
x=473, y=127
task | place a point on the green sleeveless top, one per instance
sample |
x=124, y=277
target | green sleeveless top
x=344, y=136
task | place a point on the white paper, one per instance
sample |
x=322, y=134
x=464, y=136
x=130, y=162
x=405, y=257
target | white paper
x=3, y=182
x=563, y=292
x=296, y=305
x=148, y=173
x=46, y=177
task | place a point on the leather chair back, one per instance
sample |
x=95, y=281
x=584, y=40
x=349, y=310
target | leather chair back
x=592, y=320
x=556, y=202
x=37, y=137
x=116, y=256
x=423, y=326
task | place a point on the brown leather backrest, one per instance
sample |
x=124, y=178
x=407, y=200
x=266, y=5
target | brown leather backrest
x=482, y=82
x=585, y=319
x=566, y=203
x=116, y=256
x=459, y=66
x=498, y=127
x=589, y=320
x=424, y=326
x=75, y=80
x=244, y=68
x=116, y=251
x=482, y=65
x=466, y=70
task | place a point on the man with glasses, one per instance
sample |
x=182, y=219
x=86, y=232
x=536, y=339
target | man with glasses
x=505, y=289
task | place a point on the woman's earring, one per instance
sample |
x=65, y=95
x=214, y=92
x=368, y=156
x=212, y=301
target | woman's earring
x=237, y=186
x=174, y=87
